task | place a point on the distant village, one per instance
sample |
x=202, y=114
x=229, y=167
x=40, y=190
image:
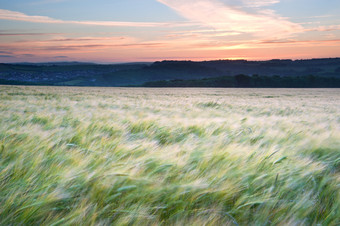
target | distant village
x=46, y=76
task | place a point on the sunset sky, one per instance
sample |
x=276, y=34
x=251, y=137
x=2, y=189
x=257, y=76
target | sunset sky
x=149, y=30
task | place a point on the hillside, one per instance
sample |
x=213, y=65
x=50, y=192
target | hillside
x=136, y=74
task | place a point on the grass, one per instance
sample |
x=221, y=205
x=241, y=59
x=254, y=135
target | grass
x=130, y=156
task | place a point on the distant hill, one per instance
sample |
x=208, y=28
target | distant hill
x=137, y=74
x=57, y=63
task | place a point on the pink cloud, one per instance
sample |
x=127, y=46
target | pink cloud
x=219, y=15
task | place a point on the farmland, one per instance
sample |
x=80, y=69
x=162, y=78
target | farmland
x=194, y=156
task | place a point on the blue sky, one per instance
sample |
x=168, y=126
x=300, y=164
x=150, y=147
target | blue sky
x=148, y=30
x=121, y=10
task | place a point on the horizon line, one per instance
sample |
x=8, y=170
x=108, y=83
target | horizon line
x=179, y=60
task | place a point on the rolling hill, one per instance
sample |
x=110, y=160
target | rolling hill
x=138, y=74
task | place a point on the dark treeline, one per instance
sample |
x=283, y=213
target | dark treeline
x=255, y=81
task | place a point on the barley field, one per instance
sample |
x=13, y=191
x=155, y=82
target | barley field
x=135, y=156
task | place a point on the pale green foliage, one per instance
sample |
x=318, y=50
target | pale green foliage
x=128, y=156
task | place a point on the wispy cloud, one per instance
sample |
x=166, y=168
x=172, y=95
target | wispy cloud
x=325, y=28
x=5, y=52
x=28, y=34
x=234, y=16
x=256, y=3
x=274, y=44
x=249, y=3
x=65, y=45
x=28, y=55
x=18, y=16
x=304, y=42
x=6, y=56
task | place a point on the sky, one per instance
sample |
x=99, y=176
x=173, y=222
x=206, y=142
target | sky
x=106, y=31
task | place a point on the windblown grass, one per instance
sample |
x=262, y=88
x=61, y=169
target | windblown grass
x=101, y=156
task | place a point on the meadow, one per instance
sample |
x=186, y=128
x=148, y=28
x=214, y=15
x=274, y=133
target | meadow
x=138, y=156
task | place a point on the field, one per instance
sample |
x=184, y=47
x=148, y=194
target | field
x=134, y=156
